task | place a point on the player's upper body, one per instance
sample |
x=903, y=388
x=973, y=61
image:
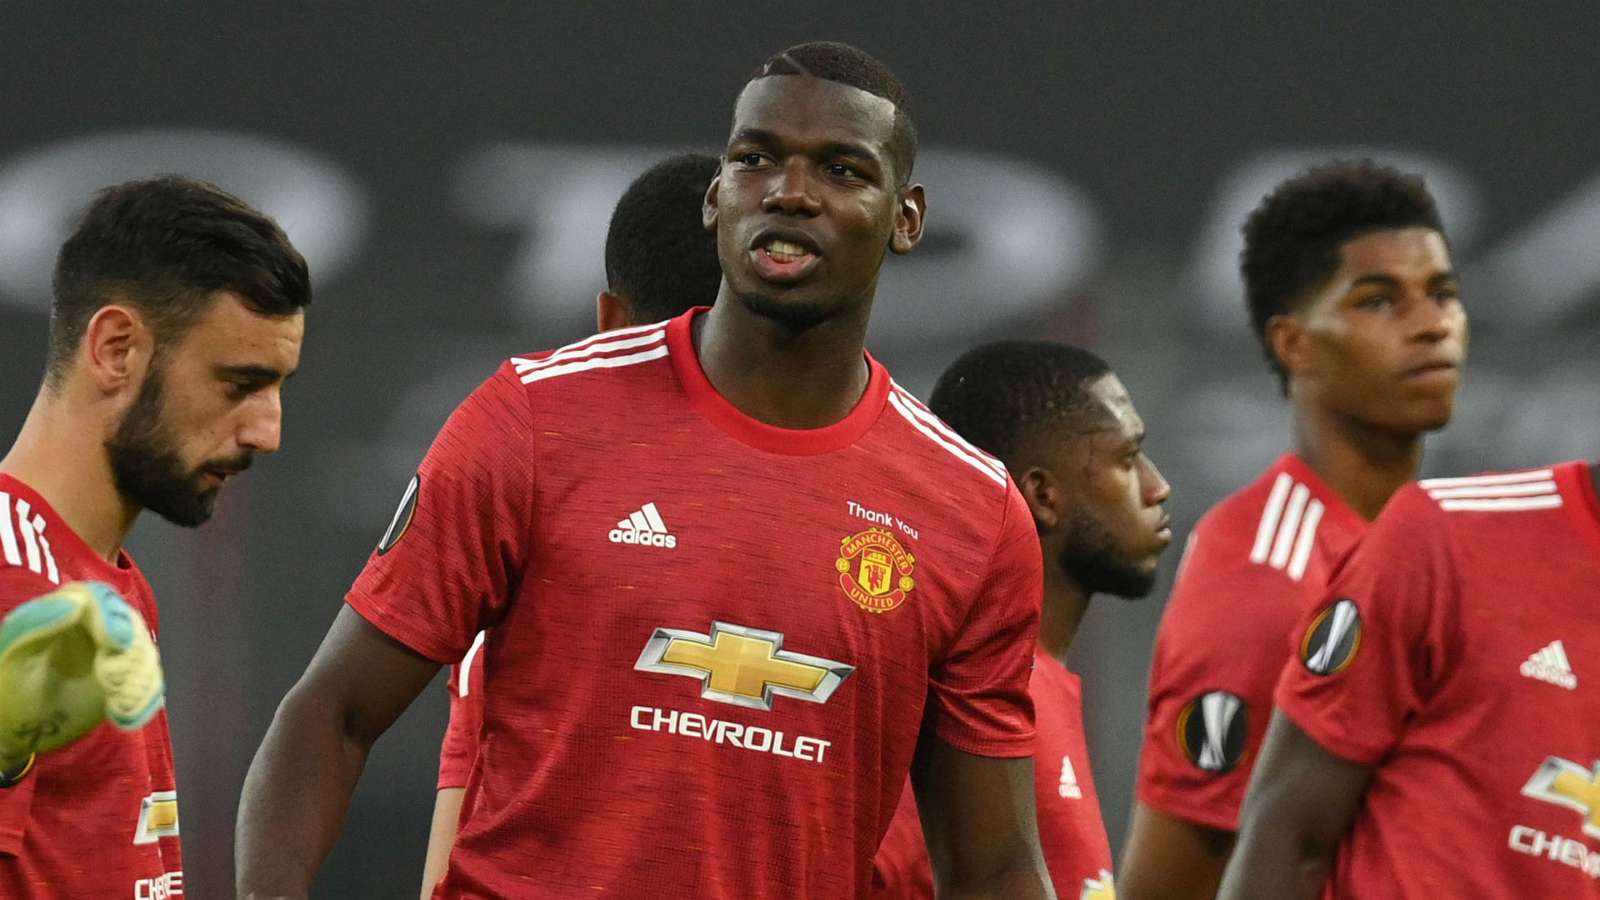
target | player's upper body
x=659, y=261
x=1352, y=296
x=1436, y=734
x=177, y=313
x=724, y=564
x=1068, y=432
x=1267, y=551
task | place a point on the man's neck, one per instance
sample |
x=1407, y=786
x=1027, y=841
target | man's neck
x=1065, y=602
x=68, y=468
x=1363, y=465
x=807, y=379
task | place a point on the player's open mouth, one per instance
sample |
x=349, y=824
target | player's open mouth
x=782, y=259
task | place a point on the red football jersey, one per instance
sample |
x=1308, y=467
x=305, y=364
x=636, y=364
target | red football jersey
x=1255, y=562
x=460, y=746
x=1071, y=832
x=98, y=818
x=711, y=640
x=1450, y=656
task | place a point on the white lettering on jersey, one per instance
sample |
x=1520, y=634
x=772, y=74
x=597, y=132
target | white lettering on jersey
x=746, y=737
x=1556, y=848
x=162, y=887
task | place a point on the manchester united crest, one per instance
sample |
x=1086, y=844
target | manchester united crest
x=874, y=570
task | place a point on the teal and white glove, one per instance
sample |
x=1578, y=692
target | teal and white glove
x=69, y=660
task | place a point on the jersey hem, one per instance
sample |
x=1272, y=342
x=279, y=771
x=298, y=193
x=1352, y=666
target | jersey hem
x=1331, y=741
x=1168, y=805
x=368, y=609
x=1009, y=748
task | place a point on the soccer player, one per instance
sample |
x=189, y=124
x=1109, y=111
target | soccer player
x=177, y=315
x=1066, y=429
x=1436, y=735
x=736, y=577
x=1351, y=292
x=660, y=261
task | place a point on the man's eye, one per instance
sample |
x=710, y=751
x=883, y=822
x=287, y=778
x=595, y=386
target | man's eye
x=749, y=159
x=840, y=170
x=1376, y=301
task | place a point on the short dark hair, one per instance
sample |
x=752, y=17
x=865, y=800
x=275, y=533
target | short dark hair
x=659, y=255
x=1292, y=239
x=1002, y=395
x=833, y=61
x=166, y=245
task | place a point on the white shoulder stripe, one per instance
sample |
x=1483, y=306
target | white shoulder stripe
x=602, y=362
x=464, y=671
x=1269, y=518
x=1290, y=526
x=1489, y=504
x=901, y=407
x=8, y=535
x=568, y=354
x=932, y=421
x=1306, y=540
x=1501, y=478
x=1519, y=489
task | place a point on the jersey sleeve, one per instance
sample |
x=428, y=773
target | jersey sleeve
x=978, y=693
x=1218, y=654
x=460, y=747
x=1367, y=658
x=18, y=586
x=458, y=545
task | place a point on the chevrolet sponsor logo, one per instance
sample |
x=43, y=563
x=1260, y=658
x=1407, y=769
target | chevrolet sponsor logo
x=743, y=666
x=1571, y=785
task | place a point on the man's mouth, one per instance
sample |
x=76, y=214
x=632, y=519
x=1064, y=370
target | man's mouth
x=783, y=260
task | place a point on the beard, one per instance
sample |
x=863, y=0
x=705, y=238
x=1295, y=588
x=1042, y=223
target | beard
x=146, y=467
x=1092, y=558
x=794, y=316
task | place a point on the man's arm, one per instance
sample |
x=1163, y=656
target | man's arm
x=1301, y=802
x=1169, y=858
x=299, y=785
x=441, y=836
x=978, y=817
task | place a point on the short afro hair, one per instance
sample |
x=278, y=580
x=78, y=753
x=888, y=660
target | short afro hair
x=1003, y=395
x=165, y=246
x=659, y=255
x=1293, y=238
x=833, y=61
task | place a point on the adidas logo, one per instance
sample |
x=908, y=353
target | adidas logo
x=1550, y=664
x=645, y=528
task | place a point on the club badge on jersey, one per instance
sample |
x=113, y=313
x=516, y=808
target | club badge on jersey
x=881, y=579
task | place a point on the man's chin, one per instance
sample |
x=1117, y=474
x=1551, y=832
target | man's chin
x=791, y=308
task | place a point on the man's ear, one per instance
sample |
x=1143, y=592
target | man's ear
x=708, y=208
x=1290, y=343
x=1046, y=500
x=612, y=311
x=117, y=346
x=908, y=220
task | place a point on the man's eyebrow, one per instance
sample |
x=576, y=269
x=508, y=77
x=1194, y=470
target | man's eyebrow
x=1380, y=280
x=253, y=372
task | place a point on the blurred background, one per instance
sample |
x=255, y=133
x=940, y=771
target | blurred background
x=449, y=170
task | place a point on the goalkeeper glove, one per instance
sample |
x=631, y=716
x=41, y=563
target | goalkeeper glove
x=69, y=660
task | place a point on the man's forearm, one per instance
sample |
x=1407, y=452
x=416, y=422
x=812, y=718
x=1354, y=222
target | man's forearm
x=295, y=798
x=1277, y=858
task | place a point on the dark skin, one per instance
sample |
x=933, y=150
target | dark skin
x=807, y=164
x=1374, y=357
x=1302, y=800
